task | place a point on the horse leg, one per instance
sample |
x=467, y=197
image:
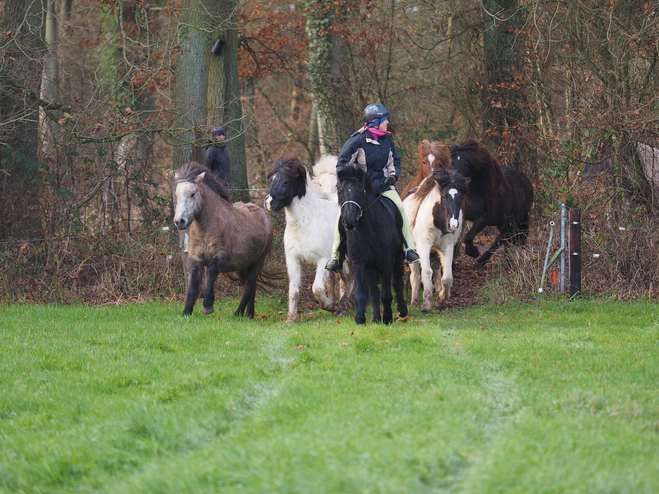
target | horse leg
x=196, y=270
x=294, y=280
x=212, y=272
x=374, y=292
x=360, y=294
x=246, y=306
x=476, y=228
x=493, y=248
x=415, y=282
x=319, y=288
x=348, y=292
x=399, y=285
x=426, y=276
x=386, y=296
x=446, y=256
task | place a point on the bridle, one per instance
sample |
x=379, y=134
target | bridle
x=361, y=211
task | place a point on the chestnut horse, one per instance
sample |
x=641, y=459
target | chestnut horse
x=432, y=156
x=223, y=237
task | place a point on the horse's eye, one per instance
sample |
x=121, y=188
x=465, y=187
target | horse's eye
x=192, y=195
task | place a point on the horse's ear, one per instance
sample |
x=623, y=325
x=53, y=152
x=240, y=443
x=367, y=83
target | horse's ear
x=467, y=180
x=200, y=177
x=424, y=147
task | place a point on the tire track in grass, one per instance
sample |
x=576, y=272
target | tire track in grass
x=245, y=408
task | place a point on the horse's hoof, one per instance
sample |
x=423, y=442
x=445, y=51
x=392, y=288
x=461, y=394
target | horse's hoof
x=472, y=251
x=208, y=310
x=187, y=313
x=291, y=318
x=441, y=306
x=414, y=304
x=342, y=312
x=426, y=308
x=402, y=313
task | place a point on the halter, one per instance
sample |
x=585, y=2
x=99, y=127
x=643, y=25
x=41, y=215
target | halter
x=361, y=211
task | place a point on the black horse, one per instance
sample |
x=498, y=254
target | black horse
x=374, y=245
x=498, y=196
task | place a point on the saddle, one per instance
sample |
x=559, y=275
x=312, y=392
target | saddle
x=393, y=210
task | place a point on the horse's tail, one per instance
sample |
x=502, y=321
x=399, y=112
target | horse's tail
x=326, y=164
x=269, y=275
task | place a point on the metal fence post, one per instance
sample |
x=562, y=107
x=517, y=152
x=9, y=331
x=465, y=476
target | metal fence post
x=575, y=252
x=563, y=247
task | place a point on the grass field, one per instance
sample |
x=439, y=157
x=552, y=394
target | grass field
x=138, y=399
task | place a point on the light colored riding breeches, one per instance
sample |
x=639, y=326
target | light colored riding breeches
x=407, y=234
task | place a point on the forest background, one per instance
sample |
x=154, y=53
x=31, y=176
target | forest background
x=100, y=101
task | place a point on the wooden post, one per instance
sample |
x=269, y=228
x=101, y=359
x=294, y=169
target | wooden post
x=575, y=252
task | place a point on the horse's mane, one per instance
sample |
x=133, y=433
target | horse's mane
x=486, y=176
x=358, y=174
x=290, y=166
x=438, y=149
x=440, y=152
x=190, y=172
x=441, y=177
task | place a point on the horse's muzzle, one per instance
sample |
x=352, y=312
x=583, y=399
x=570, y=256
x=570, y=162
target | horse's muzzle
x=349, y=225
x=181, y=224
x=266, y=203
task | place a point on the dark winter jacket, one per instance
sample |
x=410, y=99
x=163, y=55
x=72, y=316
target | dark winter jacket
x=378, y=157
x=217, y=160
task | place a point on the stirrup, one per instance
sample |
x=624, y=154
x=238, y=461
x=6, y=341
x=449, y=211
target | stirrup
x=411, y=256
x=333, y=265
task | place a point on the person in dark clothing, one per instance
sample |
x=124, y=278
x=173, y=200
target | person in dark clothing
x=373, y=149
x=217, y=157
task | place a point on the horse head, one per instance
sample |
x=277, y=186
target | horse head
x=288, y=180
x=188, y=198
x=354, y=188
x=432, y=156
x=448, y=214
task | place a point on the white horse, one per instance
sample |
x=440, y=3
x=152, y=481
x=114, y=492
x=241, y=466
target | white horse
x=435, y=212
x=310, y=219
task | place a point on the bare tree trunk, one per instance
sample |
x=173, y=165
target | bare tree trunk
x=20, y=215
x=190, y=91
x=49, y=89
x=234, y=107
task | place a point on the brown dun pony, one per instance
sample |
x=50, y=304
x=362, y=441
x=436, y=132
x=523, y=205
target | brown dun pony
x=223, y=237
x=432, y=156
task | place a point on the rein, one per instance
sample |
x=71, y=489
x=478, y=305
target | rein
x=361, y=210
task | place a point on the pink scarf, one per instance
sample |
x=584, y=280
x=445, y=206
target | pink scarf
x=378, y=133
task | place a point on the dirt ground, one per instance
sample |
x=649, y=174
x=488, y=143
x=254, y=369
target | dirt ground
x=468, y=280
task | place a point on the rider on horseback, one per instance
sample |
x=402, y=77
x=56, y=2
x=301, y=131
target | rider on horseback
x=373, y=149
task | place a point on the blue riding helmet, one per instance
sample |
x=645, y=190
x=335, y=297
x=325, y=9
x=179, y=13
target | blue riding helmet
x=375, y=114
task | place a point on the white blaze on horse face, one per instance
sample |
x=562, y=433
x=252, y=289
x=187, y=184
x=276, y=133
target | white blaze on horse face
x=187, y=199
x=453, y=224
x=431, y=159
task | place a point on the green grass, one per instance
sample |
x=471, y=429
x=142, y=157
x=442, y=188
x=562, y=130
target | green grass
x=138, y=399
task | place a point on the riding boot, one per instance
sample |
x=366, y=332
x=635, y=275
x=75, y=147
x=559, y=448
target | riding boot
x=411, y=255
x=336, y=265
